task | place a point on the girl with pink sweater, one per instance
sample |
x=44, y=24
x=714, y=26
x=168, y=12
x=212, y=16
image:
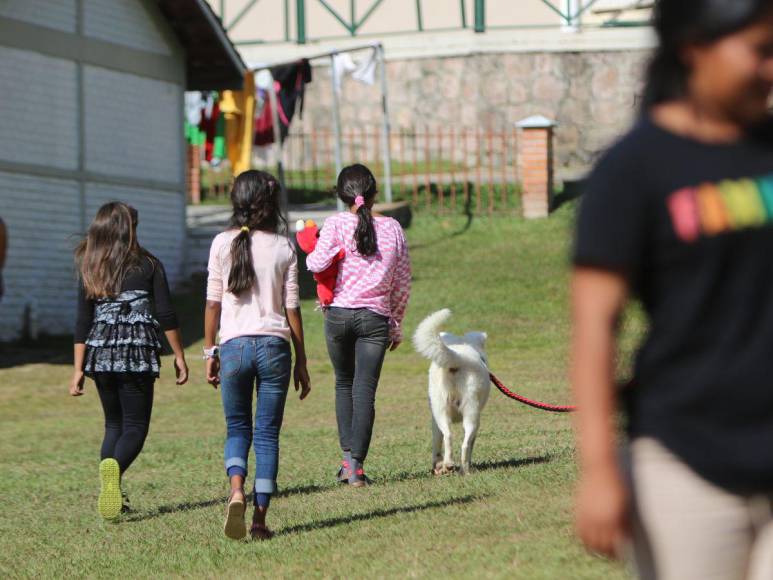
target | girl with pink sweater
x=365, y=317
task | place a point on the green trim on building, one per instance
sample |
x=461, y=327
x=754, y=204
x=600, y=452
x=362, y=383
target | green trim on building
x=480, y=15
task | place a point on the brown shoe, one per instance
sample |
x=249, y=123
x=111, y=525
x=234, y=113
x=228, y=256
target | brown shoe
x=234, y=526
x=359, y=479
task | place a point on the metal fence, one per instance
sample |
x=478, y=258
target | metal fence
x=441, y=169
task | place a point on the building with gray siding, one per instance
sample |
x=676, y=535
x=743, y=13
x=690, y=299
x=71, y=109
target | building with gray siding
x=92, y=110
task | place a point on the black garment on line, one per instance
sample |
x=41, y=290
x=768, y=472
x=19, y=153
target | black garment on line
x=691, y=227
x=127, y=401
x=292, y=79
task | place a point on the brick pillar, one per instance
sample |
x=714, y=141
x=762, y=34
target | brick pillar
x=193, y=174
x=535, y=157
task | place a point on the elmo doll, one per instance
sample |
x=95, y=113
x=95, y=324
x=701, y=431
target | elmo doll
x=307, y=234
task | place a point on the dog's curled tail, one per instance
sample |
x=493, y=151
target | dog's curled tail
x=428, y=343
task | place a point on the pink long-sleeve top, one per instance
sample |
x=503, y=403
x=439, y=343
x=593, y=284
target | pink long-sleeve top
x=260, y=310
x=382, y=282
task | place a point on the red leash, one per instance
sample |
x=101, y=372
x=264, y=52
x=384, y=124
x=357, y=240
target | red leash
x=536, y=404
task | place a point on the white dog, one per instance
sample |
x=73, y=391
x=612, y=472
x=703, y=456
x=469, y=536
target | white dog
x=458, y=386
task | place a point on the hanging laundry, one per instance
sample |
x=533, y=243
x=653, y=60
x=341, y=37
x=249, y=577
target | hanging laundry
x=193, y=106
x=209, y=123
x=230, y=113
x=264, y=121
x=342, y=66
x=218, y=142
x=365, y=71
x=208, y=103
x=191, y=133
x=289, y=82
x=292, y=80
x=238, y=108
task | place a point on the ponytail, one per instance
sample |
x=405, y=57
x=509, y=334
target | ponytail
x=357, y=188
x=255, y=201
x=365, y=234
x=242, y=275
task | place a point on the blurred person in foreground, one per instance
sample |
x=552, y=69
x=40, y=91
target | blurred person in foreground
x=679, y=214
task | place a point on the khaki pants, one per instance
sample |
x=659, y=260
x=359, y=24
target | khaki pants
x=686, y=528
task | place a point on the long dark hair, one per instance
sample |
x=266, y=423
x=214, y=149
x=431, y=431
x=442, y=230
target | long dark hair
x=353, y=181
x=109, y=250
x=255, y=201
x=680, y=23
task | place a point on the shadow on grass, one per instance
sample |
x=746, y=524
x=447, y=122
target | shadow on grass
x=188, y=506
x=484, y=466
x=572, y=190
x=173, y=509
x=56, y=350
x=506, y=463
x=468, y=214
x=315, y=488
x=379, y=513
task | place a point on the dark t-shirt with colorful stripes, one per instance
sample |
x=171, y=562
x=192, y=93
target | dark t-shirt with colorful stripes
x=690, y=225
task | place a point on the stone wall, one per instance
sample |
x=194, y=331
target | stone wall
x=592, y=95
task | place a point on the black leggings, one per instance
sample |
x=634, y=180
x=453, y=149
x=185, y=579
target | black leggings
x=127, y=400
x=357, y=340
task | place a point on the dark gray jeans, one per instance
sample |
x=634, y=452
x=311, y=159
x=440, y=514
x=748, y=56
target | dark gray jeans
x=357, y=340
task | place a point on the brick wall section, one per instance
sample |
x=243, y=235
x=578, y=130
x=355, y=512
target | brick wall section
x=536, y=168
x=193, y=174
x=592, y=96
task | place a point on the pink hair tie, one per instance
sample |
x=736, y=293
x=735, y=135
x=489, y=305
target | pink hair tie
x=359, y=201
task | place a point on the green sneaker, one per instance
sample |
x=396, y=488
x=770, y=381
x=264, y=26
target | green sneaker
x=110, y=500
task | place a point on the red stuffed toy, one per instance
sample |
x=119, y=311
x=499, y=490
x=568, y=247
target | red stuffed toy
x=307, y=234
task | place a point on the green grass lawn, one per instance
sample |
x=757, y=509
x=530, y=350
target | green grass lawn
x=512, y=518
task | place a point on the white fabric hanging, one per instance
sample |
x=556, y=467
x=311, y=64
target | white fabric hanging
x=193, y=105
x=209, y=105
x=366, y=69
x=342, y=65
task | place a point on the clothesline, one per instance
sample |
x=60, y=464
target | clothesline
x=373, y=45
x=335, y=77
x=247, y=125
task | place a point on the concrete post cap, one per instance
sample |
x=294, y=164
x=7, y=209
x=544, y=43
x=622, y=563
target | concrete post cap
x=536, y=122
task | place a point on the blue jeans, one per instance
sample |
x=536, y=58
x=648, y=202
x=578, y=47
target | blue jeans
x=260, y=363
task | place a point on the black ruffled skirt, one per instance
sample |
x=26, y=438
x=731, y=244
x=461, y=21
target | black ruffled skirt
x=124, y=336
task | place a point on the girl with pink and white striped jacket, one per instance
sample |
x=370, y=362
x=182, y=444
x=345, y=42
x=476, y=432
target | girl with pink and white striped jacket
x=365, y=317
